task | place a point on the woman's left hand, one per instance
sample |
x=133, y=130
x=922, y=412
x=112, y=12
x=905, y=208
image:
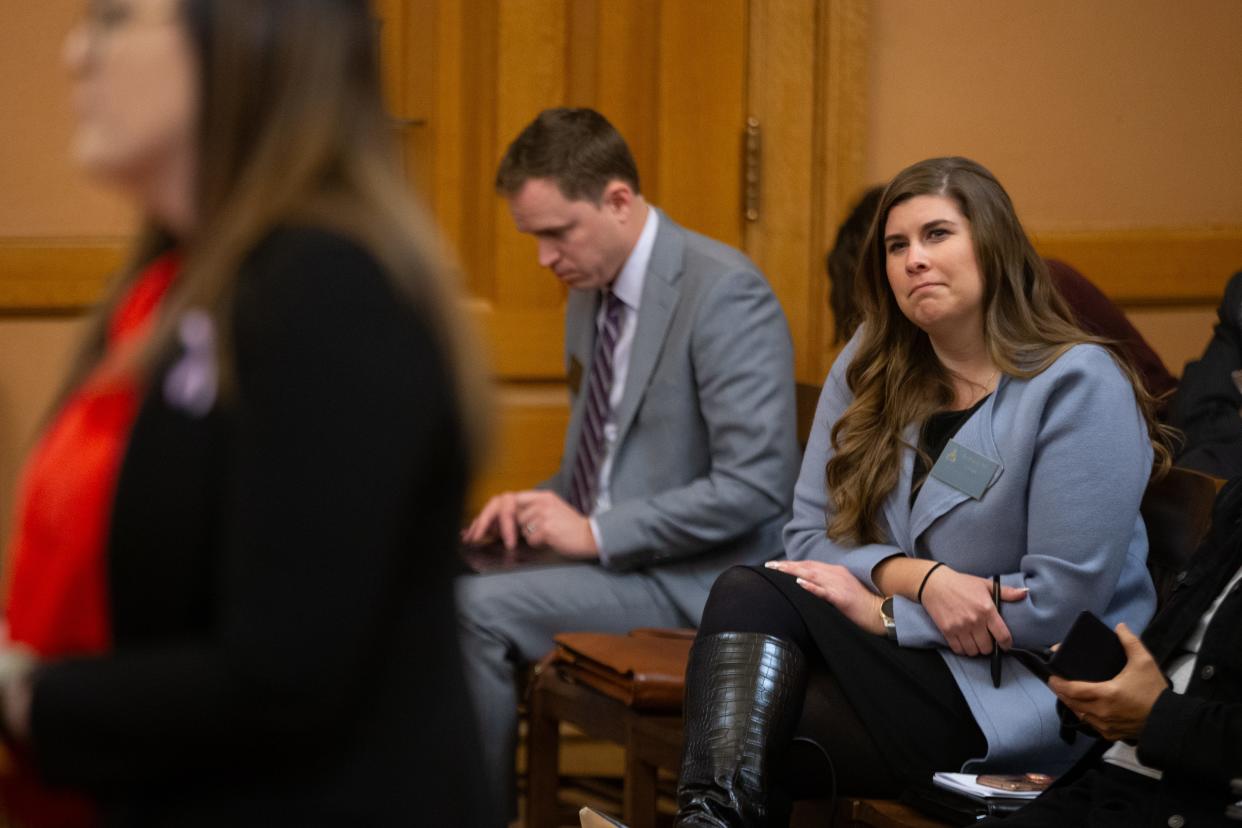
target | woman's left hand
x=838, y=586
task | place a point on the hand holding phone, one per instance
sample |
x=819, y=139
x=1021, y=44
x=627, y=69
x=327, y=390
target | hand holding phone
x=1090, y=652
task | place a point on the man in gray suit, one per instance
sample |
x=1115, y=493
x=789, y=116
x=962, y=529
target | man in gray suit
x=681, y=454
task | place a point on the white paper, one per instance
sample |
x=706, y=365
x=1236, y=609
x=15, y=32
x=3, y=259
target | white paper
x=967, y=783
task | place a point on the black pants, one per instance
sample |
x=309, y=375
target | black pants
x=876, y=717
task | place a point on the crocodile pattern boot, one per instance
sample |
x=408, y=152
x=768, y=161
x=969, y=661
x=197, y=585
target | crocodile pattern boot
x=743, y=696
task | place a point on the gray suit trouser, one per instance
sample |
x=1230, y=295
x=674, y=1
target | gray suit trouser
x=507, y=620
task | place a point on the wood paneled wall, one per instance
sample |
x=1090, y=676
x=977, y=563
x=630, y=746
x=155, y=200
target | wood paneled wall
x=681, y=79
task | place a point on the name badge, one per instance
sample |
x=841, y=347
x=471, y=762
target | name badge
x=967, y=471
x=575, y=375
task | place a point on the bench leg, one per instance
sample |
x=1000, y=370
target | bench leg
x=542, y=767
x=640, y=793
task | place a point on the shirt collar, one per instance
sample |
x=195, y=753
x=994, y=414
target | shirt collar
x=628, y=286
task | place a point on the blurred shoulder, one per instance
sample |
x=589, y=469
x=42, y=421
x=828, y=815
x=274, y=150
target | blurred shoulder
x=303, y=252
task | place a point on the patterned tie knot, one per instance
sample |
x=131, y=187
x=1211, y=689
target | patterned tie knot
x=613, y=305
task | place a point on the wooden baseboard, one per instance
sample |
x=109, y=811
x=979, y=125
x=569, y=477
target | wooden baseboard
x=48, y=275
x=1152, y=266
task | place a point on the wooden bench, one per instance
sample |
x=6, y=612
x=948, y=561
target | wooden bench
x=651, y=742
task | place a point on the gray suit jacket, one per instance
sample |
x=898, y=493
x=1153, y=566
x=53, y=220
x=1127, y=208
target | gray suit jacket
x=707, y=453
x=1060, y=516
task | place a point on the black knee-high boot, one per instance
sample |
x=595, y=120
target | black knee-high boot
x=744, y=692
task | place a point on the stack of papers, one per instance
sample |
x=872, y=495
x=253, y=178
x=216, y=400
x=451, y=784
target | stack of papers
x=967, y=783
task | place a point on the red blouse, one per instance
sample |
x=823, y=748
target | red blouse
x=58, y=592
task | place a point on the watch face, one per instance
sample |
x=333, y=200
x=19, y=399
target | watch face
x=886, y=609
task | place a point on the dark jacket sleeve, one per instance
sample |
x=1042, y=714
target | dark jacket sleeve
x=1207, y=401
x=342, y=410
x=1197, y=735
x=1194, y=737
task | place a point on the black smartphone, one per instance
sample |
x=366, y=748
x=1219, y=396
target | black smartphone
x=1090, y=652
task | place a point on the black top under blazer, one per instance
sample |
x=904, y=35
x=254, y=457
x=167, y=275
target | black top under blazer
x=279, y=573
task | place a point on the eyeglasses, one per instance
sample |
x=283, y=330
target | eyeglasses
x=104, y=18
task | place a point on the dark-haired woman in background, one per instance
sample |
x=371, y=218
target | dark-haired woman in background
x=230, y=598
x=968, y=430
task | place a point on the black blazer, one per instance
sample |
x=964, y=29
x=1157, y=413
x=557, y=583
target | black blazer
x=280, y=577
x=1196, y=737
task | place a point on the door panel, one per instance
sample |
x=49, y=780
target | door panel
x=678, y=78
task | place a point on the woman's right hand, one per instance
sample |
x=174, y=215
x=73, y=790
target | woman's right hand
x=961, y=607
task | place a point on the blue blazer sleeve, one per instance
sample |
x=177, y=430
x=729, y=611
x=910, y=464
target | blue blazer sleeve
x=806, y=536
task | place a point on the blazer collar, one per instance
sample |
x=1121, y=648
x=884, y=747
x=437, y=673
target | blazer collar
x=936, y=498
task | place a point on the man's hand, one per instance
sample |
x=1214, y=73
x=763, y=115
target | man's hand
x=1118, y=708
x=498, y=518
x=838, y=586
x=546, y=520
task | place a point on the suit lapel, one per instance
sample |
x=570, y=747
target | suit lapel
x=660, y=293
x=936, y=498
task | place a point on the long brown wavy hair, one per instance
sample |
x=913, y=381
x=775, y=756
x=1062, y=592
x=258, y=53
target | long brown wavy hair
x=293, y=130
x=895, y=375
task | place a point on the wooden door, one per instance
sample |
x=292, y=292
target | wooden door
x=680, y=79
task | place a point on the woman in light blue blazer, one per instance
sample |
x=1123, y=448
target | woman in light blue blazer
x=968, y=431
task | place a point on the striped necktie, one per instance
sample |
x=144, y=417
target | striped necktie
x=591, y=442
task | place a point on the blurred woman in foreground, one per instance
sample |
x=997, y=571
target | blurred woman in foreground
x=230, y=600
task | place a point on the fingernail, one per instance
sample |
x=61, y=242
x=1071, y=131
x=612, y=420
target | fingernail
x=800, y=582
x=773, y=564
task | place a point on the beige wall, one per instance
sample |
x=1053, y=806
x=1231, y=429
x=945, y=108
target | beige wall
x=41, y=194
x=1101, y=114
x=33, y=353
x=1097, y=116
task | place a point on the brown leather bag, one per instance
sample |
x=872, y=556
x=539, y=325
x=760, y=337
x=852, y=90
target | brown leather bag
x=645, y=669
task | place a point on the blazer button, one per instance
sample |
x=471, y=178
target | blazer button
x=1176, y=821
x=1181, y=576
x=1207, y=672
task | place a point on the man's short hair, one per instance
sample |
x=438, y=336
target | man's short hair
x=576, y=148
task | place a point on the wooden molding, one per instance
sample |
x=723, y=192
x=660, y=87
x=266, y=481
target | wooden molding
x=50, y=275
x=1142, y=267
x=840, y=151
x=1152, y=266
